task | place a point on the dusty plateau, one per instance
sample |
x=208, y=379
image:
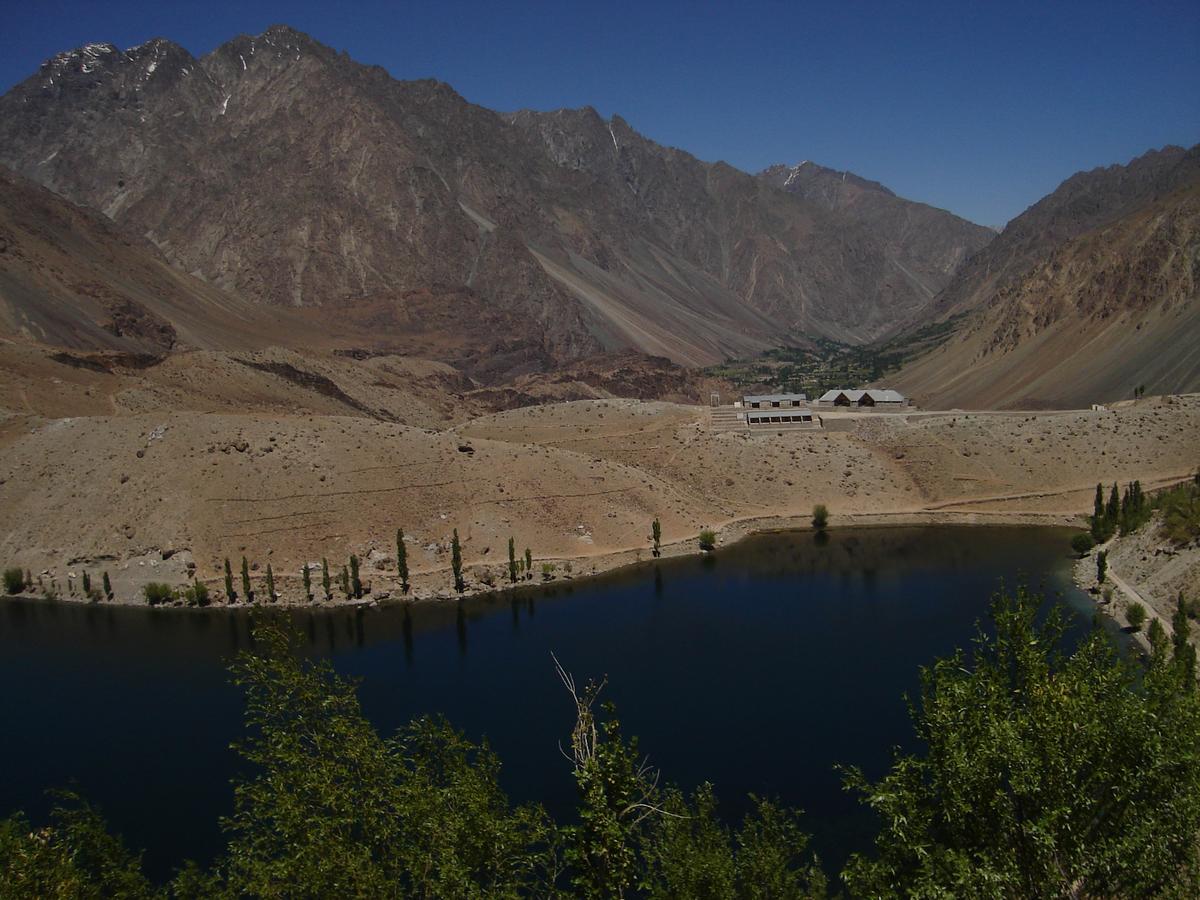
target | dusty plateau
x=163, y=472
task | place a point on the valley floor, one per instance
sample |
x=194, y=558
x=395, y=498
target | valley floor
x=164, y=495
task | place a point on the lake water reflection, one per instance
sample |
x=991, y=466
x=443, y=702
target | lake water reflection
x=758, y=669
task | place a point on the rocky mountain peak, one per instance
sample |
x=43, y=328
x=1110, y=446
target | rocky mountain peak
x=810, y=178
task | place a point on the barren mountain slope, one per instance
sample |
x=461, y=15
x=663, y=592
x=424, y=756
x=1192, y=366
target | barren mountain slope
x=921, y=247
x=1115, y=308
x=1084, y=202
x=68, y=277
x=287, y=173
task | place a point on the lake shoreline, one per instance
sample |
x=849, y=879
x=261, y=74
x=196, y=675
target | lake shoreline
x=435, y=585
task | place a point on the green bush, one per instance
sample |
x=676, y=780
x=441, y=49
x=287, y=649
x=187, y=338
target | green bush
x=157, y=592
x=14, y=581
x=1082, y=543
x=820, y=517
x=1135, y=613
x=196, y=594
x=708, y=539
x=1180, y=508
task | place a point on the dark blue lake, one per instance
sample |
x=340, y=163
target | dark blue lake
x=758, y=670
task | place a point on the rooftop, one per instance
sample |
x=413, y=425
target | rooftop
x=876, y=394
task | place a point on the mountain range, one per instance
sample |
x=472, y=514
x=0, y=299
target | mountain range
x=282, y=172
x=275, y=192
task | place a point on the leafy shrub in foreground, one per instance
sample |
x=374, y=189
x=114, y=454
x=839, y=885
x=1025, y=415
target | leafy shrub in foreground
x=1046, y=775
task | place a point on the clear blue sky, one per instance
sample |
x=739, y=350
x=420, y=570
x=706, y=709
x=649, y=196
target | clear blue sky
x=980, y=108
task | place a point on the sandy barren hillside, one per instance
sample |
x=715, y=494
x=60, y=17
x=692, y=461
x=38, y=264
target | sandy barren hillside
x=577, y=481
x=1090, y=293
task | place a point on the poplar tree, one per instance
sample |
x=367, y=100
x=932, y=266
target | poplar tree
x=346, y=582
x=528, y=563
x=456, y=563
x=1184, y=651
x=355, y=581
x=402, y=560
x=1112, y=512
x=270, y=584
x=656, y=534
x=246, y=591
x=307, y=583
x=512, y=561
x=230, y=596
x=87, y=584
x=1101, y=565
x=108, y=591
x=325, y=583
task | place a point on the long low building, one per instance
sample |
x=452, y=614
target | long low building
x=871, y=398
x=774, y=401
x=793, y=416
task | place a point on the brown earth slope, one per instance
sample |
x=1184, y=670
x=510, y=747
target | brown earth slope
x=1069, y=321
x=284, y=172
x=68, y=277
x=1085, y=202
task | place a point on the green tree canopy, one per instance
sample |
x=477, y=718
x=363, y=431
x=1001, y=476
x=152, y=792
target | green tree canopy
x=1046, y=774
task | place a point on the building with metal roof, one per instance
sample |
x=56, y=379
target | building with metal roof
x=872, y=397
x=774, y=401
